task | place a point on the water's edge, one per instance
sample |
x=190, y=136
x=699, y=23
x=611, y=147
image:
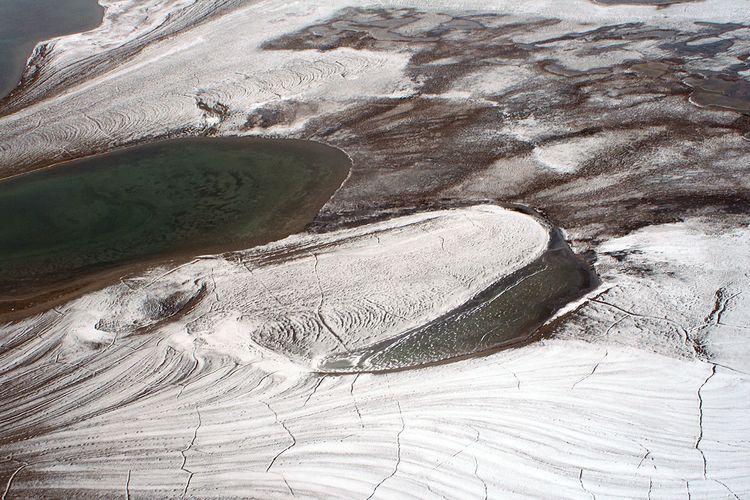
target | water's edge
x=26, y=23
x=18, y=302
x=489, y=321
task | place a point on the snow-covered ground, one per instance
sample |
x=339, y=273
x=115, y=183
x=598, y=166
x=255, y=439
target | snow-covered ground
x=154, y=66
x=103, y=399
x=200, y=381
x=308, y=296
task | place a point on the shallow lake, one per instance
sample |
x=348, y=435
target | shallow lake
x=175, y=198
x=24, y=23
x=509, y=313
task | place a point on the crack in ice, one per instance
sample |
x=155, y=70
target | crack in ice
x=606, y=353
x=184, y=456
x=288, y=486
x=315, y=389
x=282, y=424
x=354, y=399
x=476, y=475
x=727, y=488
x=398, y=453
x=466, y=447
x=580, y=480
x=700, y=419
x=12, y=477
x=692, y=343
x=318, y=309
x=262, y=283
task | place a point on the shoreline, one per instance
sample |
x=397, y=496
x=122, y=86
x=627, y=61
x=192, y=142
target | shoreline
x=542, y=327
x=46, y=35
x=36, y=296
x=204, y=375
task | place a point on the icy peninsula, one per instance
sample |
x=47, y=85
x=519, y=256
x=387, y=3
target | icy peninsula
x=470, y=249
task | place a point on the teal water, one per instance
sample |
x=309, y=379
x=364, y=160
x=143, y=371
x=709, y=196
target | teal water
x=508, y=313
x=179, y=197
x=24, y=23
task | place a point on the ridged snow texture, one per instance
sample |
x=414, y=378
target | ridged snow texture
x=158, y=387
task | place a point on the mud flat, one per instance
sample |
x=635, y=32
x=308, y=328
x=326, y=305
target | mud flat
x=77, y=222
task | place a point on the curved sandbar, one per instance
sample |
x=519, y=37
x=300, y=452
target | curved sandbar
x=311, y=296
x=369, y=284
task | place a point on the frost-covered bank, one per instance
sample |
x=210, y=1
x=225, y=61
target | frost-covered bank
x=116, y=398
x=625, y=125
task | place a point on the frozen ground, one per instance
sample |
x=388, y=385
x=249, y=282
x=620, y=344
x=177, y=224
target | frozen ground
x=160, y=386
x=626, y=125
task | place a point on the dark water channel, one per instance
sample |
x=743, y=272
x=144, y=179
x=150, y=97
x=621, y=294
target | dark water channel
x=24, y=23
x=508, y=313
x=175, y=198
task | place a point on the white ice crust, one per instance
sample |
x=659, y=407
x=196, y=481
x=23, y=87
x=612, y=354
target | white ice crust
x=220, y=59
x=196, y=408
x=619, y=404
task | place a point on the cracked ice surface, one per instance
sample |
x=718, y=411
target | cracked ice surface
x=311, y=295
x=196, y=381
x=193, y=406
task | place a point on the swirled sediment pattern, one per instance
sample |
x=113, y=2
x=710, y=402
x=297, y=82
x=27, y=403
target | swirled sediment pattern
x=197, y=382
x=143, y=420
x=144, y=93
